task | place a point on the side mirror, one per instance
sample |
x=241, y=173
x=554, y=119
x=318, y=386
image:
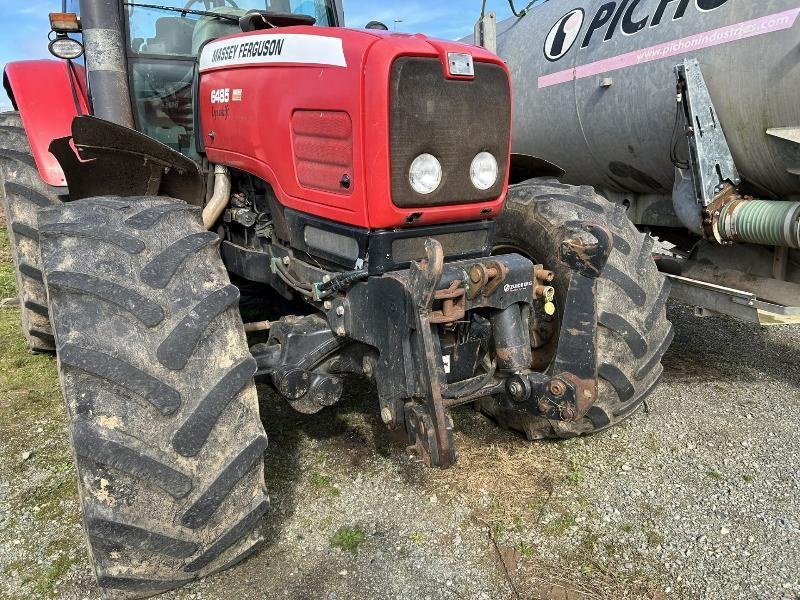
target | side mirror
x=376, y=25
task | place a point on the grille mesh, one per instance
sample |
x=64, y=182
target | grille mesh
x=451, y=119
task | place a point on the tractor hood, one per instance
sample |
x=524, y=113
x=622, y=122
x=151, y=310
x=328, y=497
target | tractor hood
x=333, y=120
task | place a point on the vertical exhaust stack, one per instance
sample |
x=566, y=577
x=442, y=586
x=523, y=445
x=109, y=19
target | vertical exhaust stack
x=105, y=61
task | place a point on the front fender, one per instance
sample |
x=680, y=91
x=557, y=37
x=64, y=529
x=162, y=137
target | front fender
x=48, y=94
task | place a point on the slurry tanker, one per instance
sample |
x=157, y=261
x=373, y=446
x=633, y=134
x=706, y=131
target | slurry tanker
x=686, y=113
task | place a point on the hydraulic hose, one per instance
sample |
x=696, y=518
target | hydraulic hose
x=765, y=222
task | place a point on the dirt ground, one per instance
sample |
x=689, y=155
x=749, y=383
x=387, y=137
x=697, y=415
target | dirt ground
x=698, y=496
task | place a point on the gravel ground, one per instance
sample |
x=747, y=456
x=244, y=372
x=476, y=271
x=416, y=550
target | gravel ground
x=695, y=497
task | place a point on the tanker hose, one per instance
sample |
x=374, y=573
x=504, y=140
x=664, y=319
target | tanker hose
x=765, y=222
x=521, y=13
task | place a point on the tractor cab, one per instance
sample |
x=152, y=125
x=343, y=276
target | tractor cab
x=163, y=45
x=163, y=39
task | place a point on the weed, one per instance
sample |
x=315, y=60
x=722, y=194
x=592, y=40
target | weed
x=560, y=525
x=325, y=484
x=576, y=474
x=627, y=528
x=653, y=537
x=526, y=550
x=716, y=475
x=748, y=478
x=590, y=540
x=348, y=539
x=417, y=538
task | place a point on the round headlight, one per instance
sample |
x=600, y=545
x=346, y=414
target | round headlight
x=425, y=174
x=66, y=48
x=483, y=171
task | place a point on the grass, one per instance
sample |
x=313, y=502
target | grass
x=716, y=475
x=32, y=421
x=748, y=478
x=8, y=282
x=348, y=539
x=516, y=477
x=45, y=585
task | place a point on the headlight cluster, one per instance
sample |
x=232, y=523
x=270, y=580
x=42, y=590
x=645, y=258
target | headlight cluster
x=425, y=174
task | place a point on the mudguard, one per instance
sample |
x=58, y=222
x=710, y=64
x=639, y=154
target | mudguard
x=48, y=94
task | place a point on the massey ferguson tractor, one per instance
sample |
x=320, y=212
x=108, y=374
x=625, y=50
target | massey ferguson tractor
x=181, y=155
x=687, y=113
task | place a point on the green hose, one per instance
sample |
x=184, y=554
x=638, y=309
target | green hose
x=765, y=222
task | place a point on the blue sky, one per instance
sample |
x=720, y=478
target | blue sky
x=24, y=24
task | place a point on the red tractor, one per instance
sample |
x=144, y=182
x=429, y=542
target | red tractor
x=354, y=182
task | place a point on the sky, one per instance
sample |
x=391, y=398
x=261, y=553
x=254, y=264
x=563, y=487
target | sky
x=24, y=23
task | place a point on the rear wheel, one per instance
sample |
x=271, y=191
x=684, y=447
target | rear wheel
x=633, y=332
x=158, y=382
x=24, y=193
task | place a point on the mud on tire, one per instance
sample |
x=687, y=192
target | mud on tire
x=23, y=193
x=633, y=332
x=158, y=383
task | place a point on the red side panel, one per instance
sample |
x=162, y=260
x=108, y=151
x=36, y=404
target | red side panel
x=43, y=94
x=323, y=149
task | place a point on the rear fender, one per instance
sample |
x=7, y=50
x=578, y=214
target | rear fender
x=48, y=94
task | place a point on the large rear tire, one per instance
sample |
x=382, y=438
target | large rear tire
x=24, y=194
x=633, y=332
x=158, y=383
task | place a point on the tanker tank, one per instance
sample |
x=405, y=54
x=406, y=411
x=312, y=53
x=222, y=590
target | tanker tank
x=686, y=112
x=598, y=80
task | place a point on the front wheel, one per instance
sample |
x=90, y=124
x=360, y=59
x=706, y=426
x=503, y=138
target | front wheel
x=633, y=332
x=158, y=383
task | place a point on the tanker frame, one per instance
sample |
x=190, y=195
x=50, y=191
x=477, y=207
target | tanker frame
x=687, y=113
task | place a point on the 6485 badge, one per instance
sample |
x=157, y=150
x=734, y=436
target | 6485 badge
x=221, y=96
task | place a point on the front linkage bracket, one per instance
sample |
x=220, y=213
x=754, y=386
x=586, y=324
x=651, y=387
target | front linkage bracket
x=571, y=390
x=428, y=424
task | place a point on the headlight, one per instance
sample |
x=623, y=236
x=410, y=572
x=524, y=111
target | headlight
x=425, y=174
x=483, y=171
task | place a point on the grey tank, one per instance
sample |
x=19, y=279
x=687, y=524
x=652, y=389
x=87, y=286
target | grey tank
x=612, y=127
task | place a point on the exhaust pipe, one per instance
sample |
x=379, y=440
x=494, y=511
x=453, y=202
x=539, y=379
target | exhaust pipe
x=106, y=66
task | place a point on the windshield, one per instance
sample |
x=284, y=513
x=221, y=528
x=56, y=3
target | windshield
x=161, y=31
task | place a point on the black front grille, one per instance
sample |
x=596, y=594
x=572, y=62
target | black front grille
x=451, y=119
